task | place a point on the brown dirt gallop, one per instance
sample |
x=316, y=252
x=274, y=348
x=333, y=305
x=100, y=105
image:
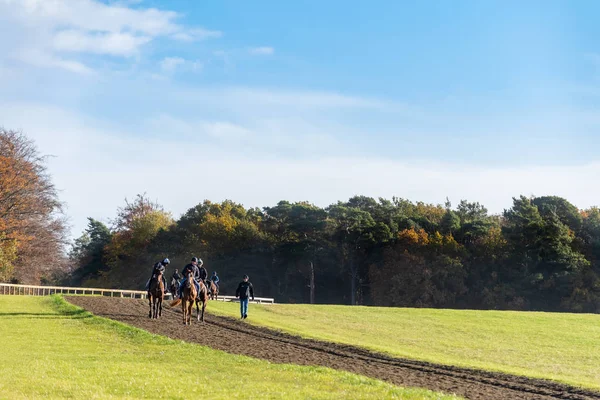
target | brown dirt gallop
x=241, y=338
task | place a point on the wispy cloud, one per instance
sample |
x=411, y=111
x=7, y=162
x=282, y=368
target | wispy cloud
x=96, y=16
x=171, y=64
x=261, y=51
x=111, y=43
x=306, y=99
x=197, y=34
x=80, y=144
x=60, y=27
x=168, y=64
x=43, y=59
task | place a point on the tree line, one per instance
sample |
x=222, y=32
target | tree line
x=542, y=253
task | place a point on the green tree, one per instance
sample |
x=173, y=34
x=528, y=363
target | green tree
x=88, y=252
x=355, y=231
x=450, y=222
x=542, y=251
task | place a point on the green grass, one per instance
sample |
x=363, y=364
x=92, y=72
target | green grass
x=561, y=347
x=51, y=349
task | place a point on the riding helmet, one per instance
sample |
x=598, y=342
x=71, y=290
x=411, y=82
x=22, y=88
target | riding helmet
x=166, y=261
x=194, y=259
x=246, y=277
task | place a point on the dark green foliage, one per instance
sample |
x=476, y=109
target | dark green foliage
x=541, y=254
x=87, y=253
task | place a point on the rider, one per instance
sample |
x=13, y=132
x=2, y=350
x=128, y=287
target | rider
x=215, y=279
x=202, y=274
x=193, y=267
x=156, y=269
x=175, y=278
x=176, y=275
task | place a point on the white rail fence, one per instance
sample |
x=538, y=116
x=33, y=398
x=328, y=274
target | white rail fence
x=31, y=290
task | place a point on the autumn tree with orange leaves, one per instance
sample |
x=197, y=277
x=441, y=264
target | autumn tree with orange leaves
x=32, y=227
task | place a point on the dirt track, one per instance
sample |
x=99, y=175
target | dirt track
x=241, y=338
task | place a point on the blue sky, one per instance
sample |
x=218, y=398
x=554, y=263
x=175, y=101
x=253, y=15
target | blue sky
x=264, y=100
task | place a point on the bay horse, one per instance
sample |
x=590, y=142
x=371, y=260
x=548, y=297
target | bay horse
x=187, y=298
x=156, y=295
x=202, y=297
x=214, y=291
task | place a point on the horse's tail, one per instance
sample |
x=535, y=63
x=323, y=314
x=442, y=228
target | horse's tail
x=175, y=302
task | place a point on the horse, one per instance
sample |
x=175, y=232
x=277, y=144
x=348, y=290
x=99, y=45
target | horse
x=156, y=294
x=187, y=298
x=202, y=297
x=214, y=291
x=174, y=287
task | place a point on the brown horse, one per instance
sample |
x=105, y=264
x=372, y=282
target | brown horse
x=187, y=298
x=202, y=297
x=156, y=295
x=214, y=291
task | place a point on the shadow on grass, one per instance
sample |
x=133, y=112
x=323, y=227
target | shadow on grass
x=71, y=314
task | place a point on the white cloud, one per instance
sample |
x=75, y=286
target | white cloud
x=111, y=43
x=265, y=51
x=196, y=130
x=46, y=60
x=55, y=27
x=170, y=64
x=196, y=34
x=304, y=99
x=226, y=130
x=94, y=16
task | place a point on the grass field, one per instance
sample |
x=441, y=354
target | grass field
x=562, y=347
x=52, y=349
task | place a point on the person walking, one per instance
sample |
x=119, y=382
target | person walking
x=244, y=292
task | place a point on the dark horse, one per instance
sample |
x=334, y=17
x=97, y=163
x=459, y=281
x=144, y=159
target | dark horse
x=156, y=294
x=174, y=287
x=202, y=297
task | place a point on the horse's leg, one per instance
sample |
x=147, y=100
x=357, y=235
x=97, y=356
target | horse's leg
x=150, y=305
x=204, y=307
x=197, y=310
x=160, y=300
x=183, y=305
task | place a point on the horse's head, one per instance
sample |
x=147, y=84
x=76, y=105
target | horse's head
x=190, y=279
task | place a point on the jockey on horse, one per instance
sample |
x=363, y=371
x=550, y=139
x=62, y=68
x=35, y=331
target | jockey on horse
x=193, y=267
x=158, y=268
x=215, y=279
